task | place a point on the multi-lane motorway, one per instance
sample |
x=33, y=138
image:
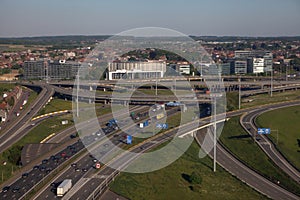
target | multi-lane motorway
x=13, y=133
x=89, y=185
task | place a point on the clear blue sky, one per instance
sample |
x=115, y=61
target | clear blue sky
x=192, y=17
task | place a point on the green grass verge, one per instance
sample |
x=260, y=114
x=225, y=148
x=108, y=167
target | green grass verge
x=238, y=141
x=173, y=182
x=163, y=92
x=6, y=87
x=262, y=99
x=286, y=122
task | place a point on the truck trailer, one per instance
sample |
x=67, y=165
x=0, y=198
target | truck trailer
x=64, y=187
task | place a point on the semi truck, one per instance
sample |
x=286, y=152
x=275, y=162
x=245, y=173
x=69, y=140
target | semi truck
x=64, y=187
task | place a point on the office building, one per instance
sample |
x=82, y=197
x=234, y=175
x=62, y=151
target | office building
x=61, y=69
x=136, y=69
x=181, y=68
x=257, y=61
x=34, y=69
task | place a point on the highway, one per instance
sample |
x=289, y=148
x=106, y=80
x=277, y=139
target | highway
x=13, y=133
x=21, y=186
x=101, y=148
x=89, y=186
x=24, y=126
x=248, y=123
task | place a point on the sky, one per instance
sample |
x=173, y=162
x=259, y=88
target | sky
x=19, y=18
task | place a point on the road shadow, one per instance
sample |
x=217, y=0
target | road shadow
x=239, y=137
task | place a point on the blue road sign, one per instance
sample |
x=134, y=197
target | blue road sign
x=263, y=130
x=146, y=123
x=129, y=139
x=164, y=126
x=267, y=131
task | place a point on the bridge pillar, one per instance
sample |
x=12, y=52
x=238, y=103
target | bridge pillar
x=104, y=89
x=91, y=88
x=90, y=101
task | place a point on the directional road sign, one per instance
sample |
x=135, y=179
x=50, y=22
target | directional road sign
x=129, y=139
x=263, y=131
x=163, y=126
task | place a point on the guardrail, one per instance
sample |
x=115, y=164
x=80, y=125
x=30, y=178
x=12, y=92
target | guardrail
x=103, y=186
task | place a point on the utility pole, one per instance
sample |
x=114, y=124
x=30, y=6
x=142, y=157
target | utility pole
x=215, y=133
x=77, y=99
x=239, y=92
x=271, y=92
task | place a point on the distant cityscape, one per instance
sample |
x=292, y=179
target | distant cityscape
x=249, y=56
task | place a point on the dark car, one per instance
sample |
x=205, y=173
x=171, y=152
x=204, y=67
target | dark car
x=25, y=175
x=74, y=164
x=42, y=168
x=36, y=167
x=44, y=161
x=5, y=189
x=84, y=169
x=15, y=189
x=53, y=184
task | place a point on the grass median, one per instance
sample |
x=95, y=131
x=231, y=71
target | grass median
x=285, y=123
x=239, y=142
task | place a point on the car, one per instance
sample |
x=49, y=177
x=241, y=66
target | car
x=25, y=175
x=53, y=184
x=84, y=169
x=5, y=189
x=77, y=170
x=63, y=154
x=45, y=161
x=52, y=157
x=42, y=168
x=15, y=189
x=36, y=167
x=74, y=164
x=95, y=160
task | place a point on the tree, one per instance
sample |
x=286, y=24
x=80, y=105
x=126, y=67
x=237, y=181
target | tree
x=195, y=178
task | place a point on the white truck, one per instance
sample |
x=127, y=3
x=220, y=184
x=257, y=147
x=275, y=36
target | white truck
x=64, y=187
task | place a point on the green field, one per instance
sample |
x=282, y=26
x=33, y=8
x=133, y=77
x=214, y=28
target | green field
x=6, y=87
x=239, y=142
x=173, y=182
x=286, y=122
